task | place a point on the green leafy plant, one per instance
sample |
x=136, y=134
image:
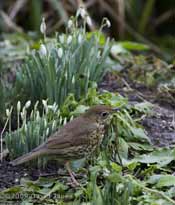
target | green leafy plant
x=67, y=64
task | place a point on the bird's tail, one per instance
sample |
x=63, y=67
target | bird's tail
x=29, y=156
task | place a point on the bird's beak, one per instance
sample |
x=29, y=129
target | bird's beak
x=116, y=109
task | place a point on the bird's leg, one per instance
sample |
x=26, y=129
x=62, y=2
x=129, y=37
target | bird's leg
x=71, y=174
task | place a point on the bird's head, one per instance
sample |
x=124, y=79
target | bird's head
x=100, y=113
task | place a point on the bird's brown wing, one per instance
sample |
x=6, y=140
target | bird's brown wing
x=74, y=133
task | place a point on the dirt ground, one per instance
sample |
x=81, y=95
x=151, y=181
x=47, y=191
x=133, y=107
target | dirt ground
x=159, y=127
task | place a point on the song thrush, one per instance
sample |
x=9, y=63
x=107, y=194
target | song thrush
x=76, y=140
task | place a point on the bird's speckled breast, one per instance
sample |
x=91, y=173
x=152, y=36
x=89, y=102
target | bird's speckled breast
x=96, y=138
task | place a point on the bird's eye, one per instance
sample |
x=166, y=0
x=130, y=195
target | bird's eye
x=104, y=114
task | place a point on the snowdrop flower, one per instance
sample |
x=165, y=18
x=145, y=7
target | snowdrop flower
x=47, y=132
x=28, y=103
x=44, y=103
x=73, y=79
x=7, y=112
x=89, y=21
x=61, y=38
x=43, y=26
x=108, y=23
x=80, y=38
x=43, y=50
x=70, y=24
x=45, y=123
x=18, y=106
x=60, y=52
x=65, y=121
x=82, y=12
x=69, y=39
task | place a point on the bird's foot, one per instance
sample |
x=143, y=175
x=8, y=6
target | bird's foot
x=75, y=183
x=72, y=175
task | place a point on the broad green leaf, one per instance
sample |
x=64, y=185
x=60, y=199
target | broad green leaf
x=12, y=190
x=162, y=180
x=140, y=134
x=129, y=45
x=161, y=156
x=58, y=187
x=116, y=167
x=167, y=180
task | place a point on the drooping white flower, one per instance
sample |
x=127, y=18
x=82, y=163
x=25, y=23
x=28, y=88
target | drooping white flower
x=80, y=38
x=44, y=103
x=73, y=79
x=7, y=112
x=60, y=52
x=89, y=21
x=108, y=23
x=28, y=103
x=82, y=12
x=43, y=26
x=70, y=23
x=69, y=39
x=61, y=38
x=45, y=123
x=47, y=132
x=43, y=50
x=65, y=121
x=18, y=106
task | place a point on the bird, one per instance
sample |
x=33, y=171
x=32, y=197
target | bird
x=77, y=139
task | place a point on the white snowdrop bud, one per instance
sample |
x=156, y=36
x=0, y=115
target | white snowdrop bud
x=73, y=79
x=43, y=26
x=45, y=123
x=28, y=103
x=43, y=50
x=60, y=52
x=82, y=12
x=61, y=38
x=70, y=24
x=108, y=23
x=18, y=106
x=80, y=38
x=69, y=39
x=44, y=103
x=89, y=21
x=7, y=112
x=65, y=121
x=47, y=132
